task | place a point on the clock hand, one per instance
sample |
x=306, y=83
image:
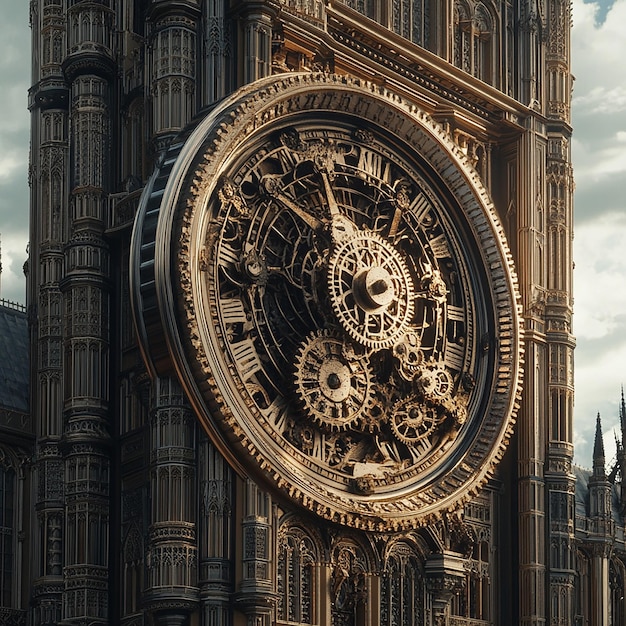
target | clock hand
x=342, y=227
x=288, y=203
x=271, y=185
x=330, y=197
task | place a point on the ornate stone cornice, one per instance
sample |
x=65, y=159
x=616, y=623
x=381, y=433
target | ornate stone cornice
x=88, y=62
x=187, y=10
x=427, y=74
x=16, y=421
x=12, y=617
x=49, y=93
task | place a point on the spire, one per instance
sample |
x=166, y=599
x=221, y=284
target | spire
x=598, y=449
x=622, y=419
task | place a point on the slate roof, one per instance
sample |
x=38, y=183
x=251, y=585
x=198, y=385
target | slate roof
x=582, y=494
x=582, y=490
x=13, y=358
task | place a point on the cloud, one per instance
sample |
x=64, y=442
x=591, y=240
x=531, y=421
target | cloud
x=605, y=400
x=601, y=100
x=14, y=140
x=9, y=165
x=600, y=329
x=600, y=268
x=599, y=158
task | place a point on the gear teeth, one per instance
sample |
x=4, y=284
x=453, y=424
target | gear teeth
x=435, y=381
x=412, y=420
x=333, y=389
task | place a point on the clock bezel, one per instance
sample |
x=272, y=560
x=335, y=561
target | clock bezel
x=200, y=363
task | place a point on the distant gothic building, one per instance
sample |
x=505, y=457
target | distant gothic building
x=299, y=306
x=600, y=523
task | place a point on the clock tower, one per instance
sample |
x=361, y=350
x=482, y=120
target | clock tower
x=300, y=291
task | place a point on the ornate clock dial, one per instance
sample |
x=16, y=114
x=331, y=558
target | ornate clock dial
x=343, y=325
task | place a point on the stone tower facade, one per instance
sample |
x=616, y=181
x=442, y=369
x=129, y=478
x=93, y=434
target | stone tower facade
x=150, y=497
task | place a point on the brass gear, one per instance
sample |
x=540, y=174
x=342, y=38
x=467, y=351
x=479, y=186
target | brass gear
x=413, y=420
x=333, y=385
x=435, y=381
x=408, y=352
x=371, y=290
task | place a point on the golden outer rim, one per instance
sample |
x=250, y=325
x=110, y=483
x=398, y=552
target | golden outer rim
x=207, y=377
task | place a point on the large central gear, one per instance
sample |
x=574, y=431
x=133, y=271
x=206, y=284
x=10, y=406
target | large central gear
x=371, y=290
x=332, y=384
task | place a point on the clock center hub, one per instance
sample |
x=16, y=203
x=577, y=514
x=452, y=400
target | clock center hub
x=374, y=289
x=334, y=380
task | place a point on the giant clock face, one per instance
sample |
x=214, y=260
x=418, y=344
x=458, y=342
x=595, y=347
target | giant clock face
x=339, y=301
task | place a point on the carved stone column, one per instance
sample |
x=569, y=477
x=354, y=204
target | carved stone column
x=256, y=39
x=216, y=484
x=88, y=68
x=48, y=102
x=218, y=73
x=255, y=594
x=171, y=561
x=560, y=480
x=531, y=57
x=445, y=576
x=172, y=68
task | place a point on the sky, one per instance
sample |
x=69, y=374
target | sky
x=14, y=142
x=599, y=158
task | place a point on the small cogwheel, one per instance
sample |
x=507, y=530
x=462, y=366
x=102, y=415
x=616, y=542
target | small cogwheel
x=408, y=351
x=335, y=390
x=371, y=290
x=413, y=421
x=435, y=381
x=376, y=412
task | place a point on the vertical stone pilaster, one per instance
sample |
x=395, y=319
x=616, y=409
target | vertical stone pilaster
x=215, y=527
x=87, y=67
x=530, y=424
x=559, y=305
x=558, y=59
x=531, y=53
x=255, y=32
x=217, y=43
x=171, y=592
x=48, y=103
x=600, y=586
x=172, y=71
x=256, y=594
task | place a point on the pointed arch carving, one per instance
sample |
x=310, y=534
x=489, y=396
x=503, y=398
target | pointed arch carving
x=133, y=564
x=475, y=38
x=617, y=590
x=299, y=555
x=12, y=465
x=402, y=582
x=412, y=19
x=350, y=563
